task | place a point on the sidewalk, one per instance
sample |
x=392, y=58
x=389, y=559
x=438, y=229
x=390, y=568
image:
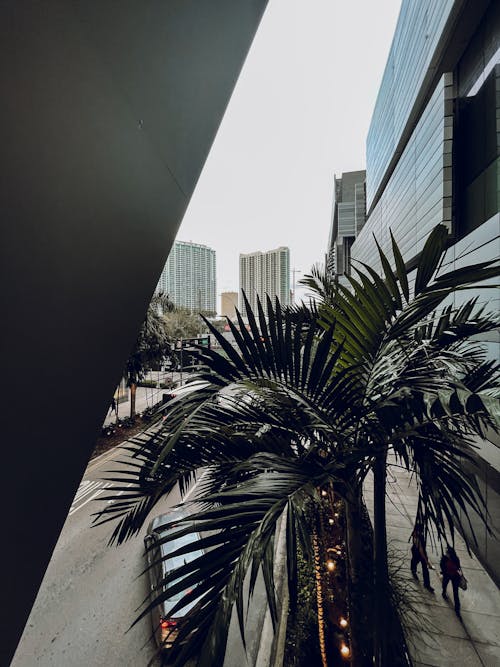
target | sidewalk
x=436, y=637
x=145, y=397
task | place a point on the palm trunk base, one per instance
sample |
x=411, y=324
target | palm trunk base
x=133, y=391
x=360, y=555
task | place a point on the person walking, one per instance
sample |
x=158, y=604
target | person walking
x=419, y=555
x=451, y=571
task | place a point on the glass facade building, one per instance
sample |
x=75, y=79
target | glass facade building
x=433, y=152
x=189, y=277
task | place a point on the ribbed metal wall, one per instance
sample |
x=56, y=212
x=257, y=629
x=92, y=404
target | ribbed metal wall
x=418, y=194
x=418, y=31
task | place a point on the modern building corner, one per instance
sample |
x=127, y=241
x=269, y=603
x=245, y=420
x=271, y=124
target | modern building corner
x=109, y=113
x=433, y=157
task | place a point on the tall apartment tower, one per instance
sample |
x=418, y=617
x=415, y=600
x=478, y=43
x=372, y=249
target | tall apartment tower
x=348, y=219
x=189, y=277
x=264, y=273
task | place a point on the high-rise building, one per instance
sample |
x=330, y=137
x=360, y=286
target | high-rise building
x=228, y=304
x=189, y=277
x=433, y=157
x=265, y=273
x=348, y=218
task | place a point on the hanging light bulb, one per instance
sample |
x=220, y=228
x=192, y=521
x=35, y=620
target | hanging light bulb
x=331, y=521
x=330, y=565
x=345, y=650
x=343, y=622
x=324, y=493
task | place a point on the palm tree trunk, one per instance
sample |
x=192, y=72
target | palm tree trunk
x=381, y=570
x=354, y=537
x=360, y=649
x=133, y=390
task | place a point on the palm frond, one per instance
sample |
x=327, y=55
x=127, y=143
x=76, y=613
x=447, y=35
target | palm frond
x=306, y=397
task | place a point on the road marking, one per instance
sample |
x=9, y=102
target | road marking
x=84, y=489
x=100, y=489
x=103, y=458
x=110, y=502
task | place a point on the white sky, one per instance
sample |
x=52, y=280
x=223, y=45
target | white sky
x=299, y=114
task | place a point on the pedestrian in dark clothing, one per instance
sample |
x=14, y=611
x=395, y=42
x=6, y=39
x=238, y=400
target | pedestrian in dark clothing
x=419, y=555
x=451, y=571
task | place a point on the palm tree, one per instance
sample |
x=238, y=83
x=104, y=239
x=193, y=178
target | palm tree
x=301, y=403
x=423, y=367
x=152, y=345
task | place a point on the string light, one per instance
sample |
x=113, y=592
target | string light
x=331, y=521
x=343, y=622
x=324, y=493
x=345, y=650
x=330, y=564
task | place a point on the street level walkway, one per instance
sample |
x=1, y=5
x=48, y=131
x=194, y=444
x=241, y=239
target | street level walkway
x=435, y=636
x=145, y=397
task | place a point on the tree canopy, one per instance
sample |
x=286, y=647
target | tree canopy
x=153, y=340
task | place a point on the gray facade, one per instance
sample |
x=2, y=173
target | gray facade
x=111, y=113
x=348, y=219
x=433, y=157
x=417, y=195
x=410, y=67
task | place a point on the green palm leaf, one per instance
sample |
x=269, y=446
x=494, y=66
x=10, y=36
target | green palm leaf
x=308, y=397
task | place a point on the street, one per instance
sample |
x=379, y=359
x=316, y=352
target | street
x=91, y=592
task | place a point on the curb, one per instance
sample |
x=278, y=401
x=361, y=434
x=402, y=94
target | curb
x=272, y=643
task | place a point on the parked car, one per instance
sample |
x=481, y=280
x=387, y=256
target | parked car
x=164, y=624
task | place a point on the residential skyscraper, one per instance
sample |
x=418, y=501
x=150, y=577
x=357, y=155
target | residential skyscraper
x=189, y=277
x=265, y=273
x=348, y=218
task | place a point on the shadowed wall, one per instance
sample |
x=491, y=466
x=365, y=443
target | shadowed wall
x=108, y=113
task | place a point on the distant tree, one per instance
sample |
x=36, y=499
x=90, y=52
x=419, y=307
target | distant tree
x=209, y=314
x=219, y=323
x=151, y=347
x=181, y=323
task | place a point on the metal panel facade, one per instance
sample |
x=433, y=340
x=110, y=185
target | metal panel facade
x=418, y=31
x=417, y=196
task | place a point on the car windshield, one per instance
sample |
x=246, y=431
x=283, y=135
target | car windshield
x=177, y=561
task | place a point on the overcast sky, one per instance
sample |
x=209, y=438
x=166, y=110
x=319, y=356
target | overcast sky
x=299, y=114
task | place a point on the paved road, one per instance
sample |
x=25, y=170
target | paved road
x=90, y=593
